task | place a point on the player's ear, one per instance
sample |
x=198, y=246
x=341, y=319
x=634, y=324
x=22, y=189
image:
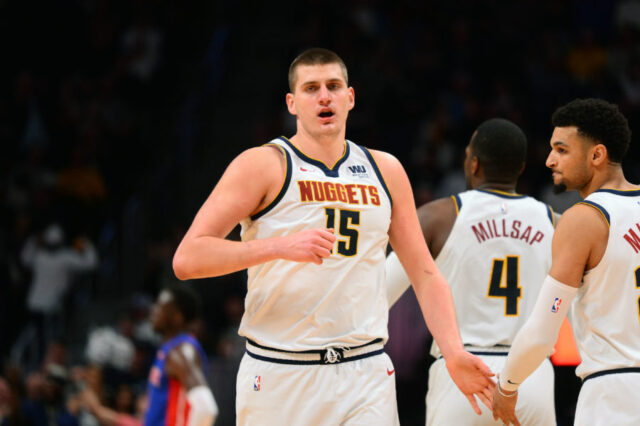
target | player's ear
x=352, y=98
x=291, y=103
x=598, y=154
x=475, y=166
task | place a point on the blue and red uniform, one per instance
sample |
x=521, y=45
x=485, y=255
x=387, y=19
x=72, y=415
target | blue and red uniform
x=168, y=403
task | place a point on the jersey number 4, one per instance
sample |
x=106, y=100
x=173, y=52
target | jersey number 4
x=505, y=277
x=347, y=246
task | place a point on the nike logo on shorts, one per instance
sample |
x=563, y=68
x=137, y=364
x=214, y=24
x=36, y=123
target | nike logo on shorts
x=390, y=372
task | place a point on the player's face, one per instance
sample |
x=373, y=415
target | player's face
x=160, y=313
x=469, y=163
x=467, y=166
x=321, y=99
x=568, y=159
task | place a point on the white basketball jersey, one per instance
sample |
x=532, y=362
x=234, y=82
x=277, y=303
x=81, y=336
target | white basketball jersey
x=301, y=306
x=606, y=311
x=495, y=260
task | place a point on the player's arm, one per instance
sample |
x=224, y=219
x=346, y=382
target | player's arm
x=573, y=252
x=105, y=415
x=183, y=364
x=469, y=373
x=436, y=220
x=250, y=183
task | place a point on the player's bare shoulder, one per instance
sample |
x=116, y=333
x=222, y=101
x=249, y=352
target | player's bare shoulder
x=437, y=212
x=583, y=230
x=385, y=161
x=268, y=160
x=437, y=218
x=391, y=169
x=582, y=217
x=261, y=171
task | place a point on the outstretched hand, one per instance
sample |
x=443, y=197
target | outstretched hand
x=473, y=378
x=504, y=406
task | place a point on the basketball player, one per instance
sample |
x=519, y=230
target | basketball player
x=494, y=248
x=317, y=212
x=178, y=392
x=595, y=265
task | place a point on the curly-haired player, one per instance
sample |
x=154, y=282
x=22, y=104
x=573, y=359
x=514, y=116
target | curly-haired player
x=595, y=265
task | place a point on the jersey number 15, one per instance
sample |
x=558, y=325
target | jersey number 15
x=349, y=246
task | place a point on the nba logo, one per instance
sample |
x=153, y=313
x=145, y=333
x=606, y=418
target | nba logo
x=256, y=384
x=503, y=208
x=556, y=305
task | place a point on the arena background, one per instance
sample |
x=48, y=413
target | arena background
x=118, y=117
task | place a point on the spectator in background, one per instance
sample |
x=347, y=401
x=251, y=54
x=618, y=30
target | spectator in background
x=10, y=413
x=54, y=267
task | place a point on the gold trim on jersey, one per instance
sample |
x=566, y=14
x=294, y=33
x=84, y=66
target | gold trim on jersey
x=283, y=187
x=455, y=203
x=344, y=153
x=600, y=209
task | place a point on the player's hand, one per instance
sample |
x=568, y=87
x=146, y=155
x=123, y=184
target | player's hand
x=504, y=407
x=473, y=378
x=311, y=245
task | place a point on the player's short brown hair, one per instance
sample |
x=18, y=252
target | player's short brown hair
x=315, y=56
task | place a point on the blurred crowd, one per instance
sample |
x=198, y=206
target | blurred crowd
x=117, y=117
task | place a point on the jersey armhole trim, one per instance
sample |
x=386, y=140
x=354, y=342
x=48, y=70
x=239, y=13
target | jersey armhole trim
x=285, y=184
x=377, y=170
x=598, y=207
x=457, y=202
x=552, y=217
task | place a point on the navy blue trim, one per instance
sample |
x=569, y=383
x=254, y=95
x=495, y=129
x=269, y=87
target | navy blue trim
x=377, y=170
x=489, y=353
x=502, y=194
x=613, y=371
x=333, y=172
x=458, y=202
x=552, y=218
x=310, y=351
x=632, y=193
x=602, y=210
x=283, y=190
x=318, y=362
x=486, y=353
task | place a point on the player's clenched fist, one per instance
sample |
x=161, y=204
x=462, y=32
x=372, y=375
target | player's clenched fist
x=311, y=245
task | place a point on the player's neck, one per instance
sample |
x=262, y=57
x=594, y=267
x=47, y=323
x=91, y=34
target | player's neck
x=504, y=187
x=611, y=178
x=170, y=334
x=326, y=148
